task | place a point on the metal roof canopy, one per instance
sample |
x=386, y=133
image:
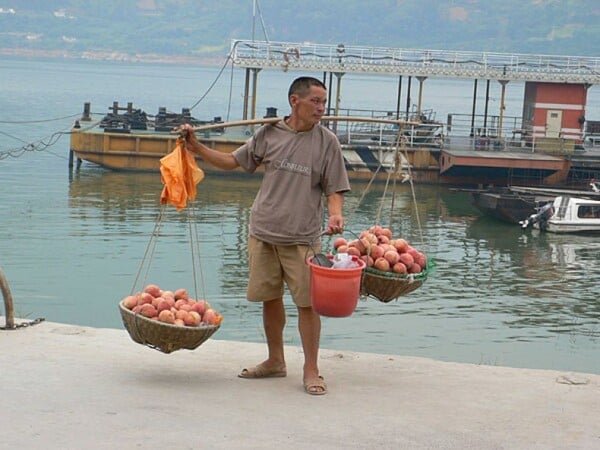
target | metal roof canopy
x=426, y=63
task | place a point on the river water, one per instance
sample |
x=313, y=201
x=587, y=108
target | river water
x=73, y=243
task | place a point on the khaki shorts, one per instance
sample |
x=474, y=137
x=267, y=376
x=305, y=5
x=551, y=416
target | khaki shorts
x=273, y=265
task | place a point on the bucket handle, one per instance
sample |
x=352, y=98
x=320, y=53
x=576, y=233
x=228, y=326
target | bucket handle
x=311, y=247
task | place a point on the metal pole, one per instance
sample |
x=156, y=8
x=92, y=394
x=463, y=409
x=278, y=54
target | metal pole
x=487, y=101
x=473, y=110
x=338, y=98
x=254, y=89
x=408, y=97
x=246, y=90
x=399, y=95
x=502, y=97
x=419, y=103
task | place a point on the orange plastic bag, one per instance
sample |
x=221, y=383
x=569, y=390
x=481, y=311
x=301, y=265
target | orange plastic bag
x=180, y=174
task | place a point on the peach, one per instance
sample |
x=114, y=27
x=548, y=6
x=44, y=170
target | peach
x=147, y=310
x=179, y=303
x=415, y=268
x=193, y=319
x=156, y=301
x=382, y=264
x=342, y=249
x=187, y=307
x=163, y=306
x=392, y=256
x=167, y=294
x=180, y=314
x=130, y=301
x=211, y=317
x=421, y=259
x=401, y=245
x=407, y=260
x=144, y=298
x=200, y=306
x=166, y=316
x=179, y=322
x=153, y=290
x=339, y=242
x=375, y=229
x=399, y=268
x=181, y=293
x=354, y=251
x=363, y=245
x=387, y=233
x=376, y=252
x=368, y=260
x=383, y=239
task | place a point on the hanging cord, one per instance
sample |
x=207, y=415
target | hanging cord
x=149, y=252
x=399, y=143
x=229, y=58
x=195, y=239
x=374, y=177
x=414, y=198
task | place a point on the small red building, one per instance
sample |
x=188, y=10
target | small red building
x=554, y=111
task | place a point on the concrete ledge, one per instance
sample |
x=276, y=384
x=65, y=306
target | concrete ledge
x=70, y=387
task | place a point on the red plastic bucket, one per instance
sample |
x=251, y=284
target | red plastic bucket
x=335, y=292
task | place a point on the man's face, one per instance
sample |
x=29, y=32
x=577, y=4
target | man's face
x=310, y=108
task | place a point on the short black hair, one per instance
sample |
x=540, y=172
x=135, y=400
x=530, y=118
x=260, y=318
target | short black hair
x=302, y=85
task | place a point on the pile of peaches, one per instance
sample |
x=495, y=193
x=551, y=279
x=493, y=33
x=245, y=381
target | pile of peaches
x=172, y=307
x=380, y=250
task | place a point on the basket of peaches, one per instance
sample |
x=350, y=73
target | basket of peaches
x=168, y=320
x=393, y=266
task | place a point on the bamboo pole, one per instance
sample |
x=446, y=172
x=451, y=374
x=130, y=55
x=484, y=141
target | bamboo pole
x=270, y=120
x=8, y=301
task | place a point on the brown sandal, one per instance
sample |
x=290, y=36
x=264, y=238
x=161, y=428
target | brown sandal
x=315, y=386
x=261, y=371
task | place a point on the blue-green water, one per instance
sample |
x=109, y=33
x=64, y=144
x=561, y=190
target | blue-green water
x=72, y=244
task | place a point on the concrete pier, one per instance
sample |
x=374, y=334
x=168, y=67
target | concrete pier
x=71, y=387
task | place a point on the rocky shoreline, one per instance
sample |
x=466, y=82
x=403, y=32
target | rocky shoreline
x=150, y=58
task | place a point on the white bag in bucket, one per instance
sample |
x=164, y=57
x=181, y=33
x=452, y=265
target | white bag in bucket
x=343, y=261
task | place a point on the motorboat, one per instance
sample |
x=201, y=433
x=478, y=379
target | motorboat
x=567, y=214
x=512, y=203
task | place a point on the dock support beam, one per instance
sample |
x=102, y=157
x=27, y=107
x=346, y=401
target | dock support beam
x=246, y=91
x=254, y=89
x=408, y=98
x=502, y=107
x=399, y=96
x=473, y=110
x=487, y=102
x=338, y=97
x=420, y=101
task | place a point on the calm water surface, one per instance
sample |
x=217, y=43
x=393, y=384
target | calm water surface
x=73, y=244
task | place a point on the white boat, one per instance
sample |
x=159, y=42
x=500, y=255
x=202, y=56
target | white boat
x=567, y=214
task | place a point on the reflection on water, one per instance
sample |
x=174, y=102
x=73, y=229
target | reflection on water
x=72, y=245
x=497, y=294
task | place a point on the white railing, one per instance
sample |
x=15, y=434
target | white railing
x=434, y=63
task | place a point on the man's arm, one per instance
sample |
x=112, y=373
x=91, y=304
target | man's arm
x=222, y=160
x=335, y=202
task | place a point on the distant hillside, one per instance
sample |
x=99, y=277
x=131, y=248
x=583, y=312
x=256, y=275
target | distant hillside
x=195, y=28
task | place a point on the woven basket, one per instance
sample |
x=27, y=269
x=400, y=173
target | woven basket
x=163, y=336
x=387, y=286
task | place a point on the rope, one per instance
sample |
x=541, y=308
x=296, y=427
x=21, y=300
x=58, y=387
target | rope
x=41, y=144
x=194, y=239
x=150, y=248
x=394, y=173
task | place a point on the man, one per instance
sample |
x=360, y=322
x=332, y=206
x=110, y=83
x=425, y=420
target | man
x=302, y=162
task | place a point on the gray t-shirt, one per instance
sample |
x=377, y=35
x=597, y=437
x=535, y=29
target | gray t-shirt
x=299, y=168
